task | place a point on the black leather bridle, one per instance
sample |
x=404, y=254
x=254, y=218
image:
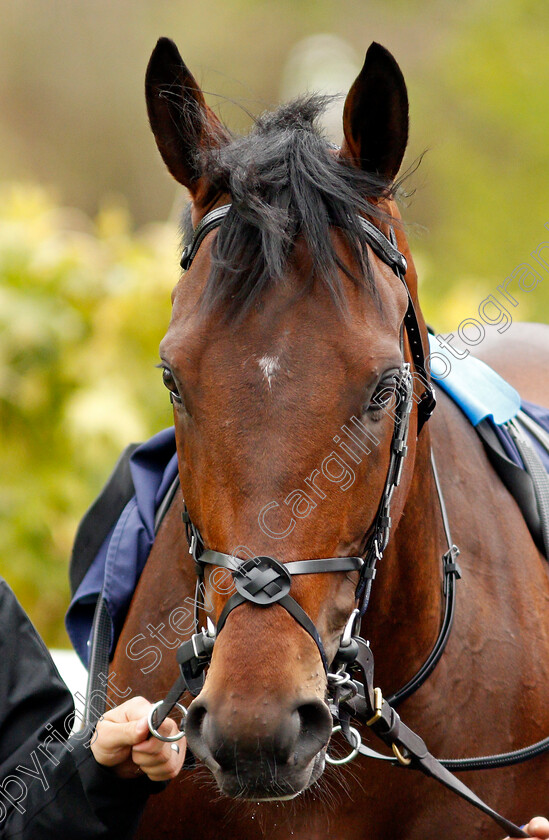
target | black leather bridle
x=265, y=581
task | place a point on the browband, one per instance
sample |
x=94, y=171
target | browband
x=376, y=239
x=210, y=221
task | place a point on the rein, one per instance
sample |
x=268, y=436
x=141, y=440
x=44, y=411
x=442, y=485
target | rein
x=265, y=581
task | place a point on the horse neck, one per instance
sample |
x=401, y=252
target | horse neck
x=404, y=614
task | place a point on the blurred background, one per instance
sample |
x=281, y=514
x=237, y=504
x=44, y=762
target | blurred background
x=88, y=215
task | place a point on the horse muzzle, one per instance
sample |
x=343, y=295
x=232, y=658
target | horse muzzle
x=260, y=752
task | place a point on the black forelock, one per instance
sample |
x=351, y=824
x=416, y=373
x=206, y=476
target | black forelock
x=284, y=181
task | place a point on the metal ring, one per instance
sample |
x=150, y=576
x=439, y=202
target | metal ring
x=156, y=734
x=338, y=679
x=354, y=752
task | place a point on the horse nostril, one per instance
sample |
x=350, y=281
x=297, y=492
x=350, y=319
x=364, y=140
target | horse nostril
x=194, y=723
x=205, y=737
x=315, y=730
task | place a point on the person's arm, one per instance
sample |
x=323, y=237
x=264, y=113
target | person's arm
x=101, y=791
x=52, y=783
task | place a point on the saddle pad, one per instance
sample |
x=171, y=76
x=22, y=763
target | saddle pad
x=486, y=398
x=479, y=391
x=489, y=402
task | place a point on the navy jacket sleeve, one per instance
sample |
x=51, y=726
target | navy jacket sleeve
x=49, y=782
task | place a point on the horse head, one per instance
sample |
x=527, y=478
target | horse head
x=282, y=359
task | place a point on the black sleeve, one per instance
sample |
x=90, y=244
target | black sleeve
x=49, y=782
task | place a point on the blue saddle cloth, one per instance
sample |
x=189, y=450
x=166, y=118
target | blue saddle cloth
x=482, y=394
x=114, y=573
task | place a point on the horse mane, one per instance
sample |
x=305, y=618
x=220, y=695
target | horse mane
x=284, y=181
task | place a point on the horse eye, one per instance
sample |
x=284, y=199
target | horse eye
x=169, y=382
x=382, y=398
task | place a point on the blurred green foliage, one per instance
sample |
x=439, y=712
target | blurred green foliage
x=83, y=305
x=483, y=112
x=84, y=294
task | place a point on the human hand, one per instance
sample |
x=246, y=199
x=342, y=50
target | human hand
x=537, y=827
x=121, y=741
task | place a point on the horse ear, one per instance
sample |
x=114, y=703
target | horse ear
x=181, y=121
x=375, y=116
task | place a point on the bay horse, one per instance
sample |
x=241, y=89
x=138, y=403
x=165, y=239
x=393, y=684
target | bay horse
x=286, y=325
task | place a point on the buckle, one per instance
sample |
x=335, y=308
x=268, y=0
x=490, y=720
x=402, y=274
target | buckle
x=378, y=703
x=450, y=565
x=202, y=645
x=426, y=406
